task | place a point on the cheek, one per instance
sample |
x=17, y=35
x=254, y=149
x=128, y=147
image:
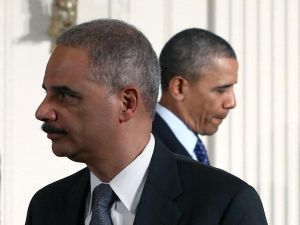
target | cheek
x=209, y=109
x=214, y=110
x=100, y=119
x=80, y=123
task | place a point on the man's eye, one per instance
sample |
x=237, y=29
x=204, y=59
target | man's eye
x=221, y=90
x=61, y=96
x=64, y=96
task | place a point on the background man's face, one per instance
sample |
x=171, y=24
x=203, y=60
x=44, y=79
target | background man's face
x=208, y=100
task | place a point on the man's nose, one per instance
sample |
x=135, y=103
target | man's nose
x=230, y=102
x=46, y=112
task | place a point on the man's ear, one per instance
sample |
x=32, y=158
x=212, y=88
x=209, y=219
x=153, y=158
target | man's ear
x=177, y=87
x=129, y=99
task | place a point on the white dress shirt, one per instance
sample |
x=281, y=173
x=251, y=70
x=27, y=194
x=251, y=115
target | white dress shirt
x=128, y=186
x=185, y=136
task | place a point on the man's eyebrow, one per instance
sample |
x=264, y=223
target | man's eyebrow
x=65, y=90
x=226, y=85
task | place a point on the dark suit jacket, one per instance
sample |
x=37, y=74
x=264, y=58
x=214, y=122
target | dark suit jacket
x=178, y=191
x=163, y=132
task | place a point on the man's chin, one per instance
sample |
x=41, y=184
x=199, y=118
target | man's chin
x=210, y=131
x=70, y=154
x=60, y=151
x=75, y=158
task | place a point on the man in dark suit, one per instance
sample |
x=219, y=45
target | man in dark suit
x=101, y=85
x=199, y=70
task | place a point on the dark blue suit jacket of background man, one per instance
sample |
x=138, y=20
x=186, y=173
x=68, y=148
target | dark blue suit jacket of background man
x=163, y=132
x=178, y=191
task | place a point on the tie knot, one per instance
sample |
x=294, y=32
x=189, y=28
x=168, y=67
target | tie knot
x=102, y=196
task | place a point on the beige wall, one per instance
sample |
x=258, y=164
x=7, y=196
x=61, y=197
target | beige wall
x=260, y=140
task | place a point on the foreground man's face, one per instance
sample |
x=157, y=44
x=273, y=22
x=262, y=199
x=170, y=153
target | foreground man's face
x=79, y=115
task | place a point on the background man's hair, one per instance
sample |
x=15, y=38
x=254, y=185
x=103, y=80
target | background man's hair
x=189, y=52
x=119, y=55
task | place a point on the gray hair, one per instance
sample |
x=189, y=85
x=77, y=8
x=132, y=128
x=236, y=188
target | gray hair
x=119, y=55
x=189, y=52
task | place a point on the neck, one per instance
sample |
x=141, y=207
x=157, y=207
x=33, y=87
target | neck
x=169, y=104
x=106, y=167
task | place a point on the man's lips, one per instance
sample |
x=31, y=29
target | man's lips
x=52, y=131
x=55, y=136
x=222, y=117
x=218, y=119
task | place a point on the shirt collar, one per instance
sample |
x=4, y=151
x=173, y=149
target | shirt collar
x=189, y=139
x=129, y=183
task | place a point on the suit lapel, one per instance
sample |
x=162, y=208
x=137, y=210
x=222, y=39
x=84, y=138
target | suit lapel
x=75, y=201
x=157, y=201
x=161, y=188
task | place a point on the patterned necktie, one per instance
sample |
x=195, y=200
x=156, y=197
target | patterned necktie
x=102, y=200
x=200, y=152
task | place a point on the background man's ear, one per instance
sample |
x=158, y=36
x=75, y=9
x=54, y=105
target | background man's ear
x=129, y=97
x=177, y=87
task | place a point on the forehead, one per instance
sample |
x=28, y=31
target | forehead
x=67, y=63
x=223, y=70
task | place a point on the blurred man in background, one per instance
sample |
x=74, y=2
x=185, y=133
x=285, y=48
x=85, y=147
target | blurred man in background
x=198, y=72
